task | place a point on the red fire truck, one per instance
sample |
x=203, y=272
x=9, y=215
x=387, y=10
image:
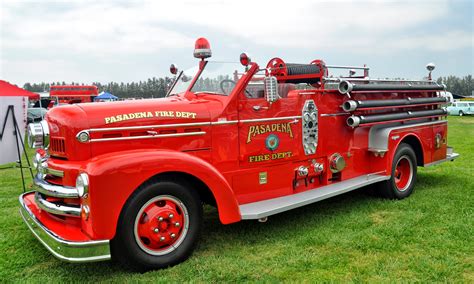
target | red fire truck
x=73, y=94
x=128, y=179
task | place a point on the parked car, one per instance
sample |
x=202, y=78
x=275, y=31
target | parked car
x=461, y=108
x=35, y=114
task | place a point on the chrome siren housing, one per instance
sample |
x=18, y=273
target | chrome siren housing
x=38, y=134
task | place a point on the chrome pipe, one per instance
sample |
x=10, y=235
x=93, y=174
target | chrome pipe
x=355, y=121
x=346, y=87
x=368, y=80
x=347, y=67
x=352, y=105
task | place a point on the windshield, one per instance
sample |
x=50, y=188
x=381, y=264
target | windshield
x=217, y=78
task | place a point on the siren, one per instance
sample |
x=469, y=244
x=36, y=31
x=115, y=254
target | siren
x=245, y=59
x=202, y=48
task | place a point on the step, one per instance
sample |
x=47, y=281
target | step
x=265, y=208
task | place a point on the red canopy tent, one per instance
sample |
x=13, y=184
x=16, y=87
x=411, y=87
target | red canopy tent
x=7, y=89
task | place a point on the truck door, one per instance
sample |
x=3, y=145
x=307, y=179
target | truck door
x=269, y=141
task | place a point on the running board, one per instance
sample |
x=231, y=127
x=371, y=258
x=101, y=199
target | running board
x=265, y=208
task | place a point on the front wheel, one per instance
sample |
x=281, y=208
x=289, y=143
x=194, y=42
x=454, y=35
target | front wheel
x=403, y=177
x=461, y=113
x=159, y=226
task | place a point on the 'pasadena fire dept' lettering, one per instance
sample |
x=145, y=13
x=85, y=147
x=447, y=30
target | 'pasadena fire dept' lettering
x=149, y=114
x=255, y=130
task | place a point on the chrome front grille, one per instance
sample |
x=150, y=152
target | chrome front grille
x=57, y=146
x=54, y=198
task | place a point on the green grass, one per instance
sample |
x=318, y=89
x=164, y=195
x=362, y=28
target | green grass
x=355, y=237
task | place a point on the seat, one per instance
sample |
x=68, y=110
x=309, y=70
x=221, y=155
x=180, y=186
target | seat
x=284, y=89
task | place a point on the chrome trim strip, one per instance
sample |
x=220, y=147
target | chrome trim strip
x=55, y=208
x=42, y=186
x=334, y=114
x=149, y=136
x=64, y=250
x=270, y=119
x=224, y=122
x=175, y=125
x=265, y=208
x=149, y=126
x=449, y=157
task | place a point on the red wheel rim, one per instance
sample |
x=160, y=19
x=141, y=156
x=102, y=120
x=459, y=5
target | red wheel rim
x=403, y=173
x=161, y=225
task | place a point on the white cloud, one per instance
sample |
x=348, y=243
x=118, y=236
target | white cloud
x=146, y=27
x=112, y=29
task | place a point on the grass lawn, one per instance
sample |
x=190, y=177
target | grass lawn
x=354, y=237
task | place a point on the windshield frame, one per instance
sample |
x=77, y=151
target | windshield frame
x=201, y=69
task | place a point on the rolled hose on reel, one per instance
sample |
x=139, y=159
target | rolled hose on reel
x=300, y=69
x=295, y=73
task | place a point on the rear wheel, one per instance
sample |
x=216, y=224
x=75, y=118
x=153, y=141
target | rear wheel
x=461, y=113
x=403, y=176
x=158, y=227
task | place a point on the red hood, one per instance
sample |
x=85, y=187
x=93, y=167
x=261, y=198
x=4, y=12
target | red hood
x=169, y=110
x=67, y=121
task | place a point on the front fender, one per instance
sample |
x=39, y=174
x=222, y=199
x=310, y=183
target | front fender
x=115, y=176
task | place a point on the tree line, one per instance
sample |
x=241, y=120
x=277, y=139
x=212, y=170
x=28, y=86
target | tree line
x=458, y=86
x=151, y=88
x=157, y=87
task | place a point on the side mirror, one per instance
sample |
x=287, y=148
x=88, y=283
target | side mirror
x=271, y=89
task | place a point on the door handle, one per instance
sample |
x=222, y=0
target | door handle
x=259, y=108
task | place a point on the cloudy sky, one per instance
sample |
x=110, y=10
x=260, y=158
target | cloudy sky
x=88, y=41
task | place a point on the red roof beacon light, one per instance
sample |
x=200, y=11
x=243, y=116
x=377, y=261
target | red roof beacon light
x=202, y=48
x=173, y=69
x=245, y=59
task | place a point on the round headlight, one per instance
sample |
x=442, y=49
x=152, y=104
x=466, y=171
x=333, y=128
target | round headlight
x=38, y=134
x=83, y=136
x=82, y=184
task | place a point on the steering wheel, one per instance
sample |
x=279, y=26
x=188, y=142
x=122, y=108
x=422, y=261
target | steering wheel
x=221, y=85
x=226, y=81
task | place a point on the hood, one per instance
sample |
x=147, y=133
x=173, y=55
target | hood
x=115, y=126
x=169, y=110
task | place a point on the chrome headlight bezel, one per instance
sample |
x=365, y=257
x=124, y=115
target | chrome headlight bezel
x=38, y=135
x=82, y=184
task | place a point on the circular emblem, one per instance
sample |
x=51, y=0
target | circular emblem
x=272, y=142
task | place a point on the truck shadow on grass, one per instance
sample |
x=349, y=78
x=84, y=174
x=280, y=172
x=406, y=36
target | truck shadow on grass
x=329, y=214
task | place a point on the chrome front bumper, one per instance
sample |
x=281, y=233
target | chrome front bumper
x=70, y=251
x=44, y=189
